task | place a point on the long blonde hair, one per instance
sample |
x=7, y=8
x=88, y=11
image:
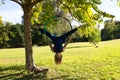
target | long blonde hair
x=58, y=58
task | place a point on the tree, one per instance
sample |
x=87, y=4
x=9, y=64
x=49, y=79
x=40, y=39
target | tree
x=111, y=30
x=27, y=6
x=95, y=38
x=85, y=11
x=18, y=39
x=107, y=32
x=3, y=37
x=5, y=34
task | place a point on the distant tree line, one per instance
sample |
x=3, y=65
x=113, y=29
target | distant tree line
x=11, y=35
x=111, y=30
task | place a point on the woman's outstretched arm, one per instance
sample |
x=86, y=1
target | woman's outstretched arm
x=66, y=42
x=50, y=44
x=67, y=36
x=69, y=33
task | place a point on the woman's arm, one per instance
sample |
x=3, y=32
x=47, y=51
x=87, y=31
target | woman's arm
x=66, y=42
x=69, y=36
x=50, y=44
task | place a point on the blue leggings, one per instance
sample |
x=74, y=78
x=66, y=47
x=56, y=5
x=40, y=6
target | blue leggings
x=52, y=36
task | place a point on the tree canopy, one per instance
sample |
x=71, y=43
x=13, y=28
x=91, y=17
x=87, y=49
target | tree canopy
x=85, y=12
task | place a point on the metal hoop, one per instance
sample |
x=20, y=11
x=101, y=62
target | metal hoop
x=56, y=16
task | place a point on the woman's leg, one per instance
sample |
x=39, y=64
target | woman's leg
x=65, y=36
x=46, y=33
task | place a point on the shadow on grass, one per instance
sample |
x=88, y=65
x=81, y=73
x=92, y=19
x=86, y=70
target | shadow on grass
x=33, y=76
x=67, y=77
x=19, y=73
x=78, y=47
x=63, y=77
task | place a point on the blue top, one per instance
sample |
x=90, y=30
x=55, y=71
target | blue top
x=58, y=41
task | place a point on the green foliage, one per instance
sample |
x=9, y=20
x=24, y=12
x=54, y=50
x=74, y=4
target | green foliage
x=35, y=13
x=111, y=30
x=81, y=61
x=85, y=11
x=95, y=38
x=86, y=31
x=11, y=35
x=44, y=11
x=1, y=22
x=97, y=1
x=18, y=39
x=4, y=36
x=118, y=3
x=38, y=39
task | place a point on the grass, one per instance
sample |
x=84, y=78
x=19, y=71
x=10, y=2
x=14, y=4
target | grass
x=81, y=61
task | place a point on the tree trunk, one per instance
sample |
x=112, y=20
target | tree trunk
x=27, y=9
x=30, y=66
x=28, y=39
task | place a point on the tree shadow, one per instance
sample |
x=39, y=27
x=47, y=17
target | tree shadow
x=2, y=69
x=19, y=73
x=33, y=76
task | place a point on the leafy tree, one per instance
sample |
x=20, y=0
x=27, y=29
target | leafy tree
x=107, y=32
x=18, y=39
x=3, y=37
x=5, y=34
x=95, y=38
x=11, y=35
x=117, y=30
x=85, y=11
x=1, y=22
x=111, y=30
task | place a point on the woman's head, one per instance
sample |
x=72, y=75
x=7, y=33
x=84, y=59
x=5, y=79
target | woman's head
x=58, y=58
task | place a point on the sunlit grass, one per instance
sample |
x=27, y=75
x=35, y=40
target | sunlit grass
x=81, y=61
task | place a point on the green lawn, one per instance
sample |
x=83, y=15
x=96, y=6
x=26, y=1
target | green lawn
x=81, y=61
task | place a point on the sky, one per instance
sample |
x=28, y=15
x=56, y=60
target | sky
x=12, y=12
x=110, y=6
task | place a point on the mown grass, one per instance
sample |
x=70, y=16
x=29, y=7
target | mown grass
x=81, y=61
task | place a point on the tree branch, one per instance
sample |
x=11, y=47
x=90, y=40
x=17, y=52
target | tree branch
x=35, y=2
x=3, y=2
x=17, y=2
x=67, y=8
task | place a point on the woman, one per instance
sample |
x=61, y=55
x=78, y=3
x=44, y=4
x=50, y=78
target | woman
x=58, y=41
